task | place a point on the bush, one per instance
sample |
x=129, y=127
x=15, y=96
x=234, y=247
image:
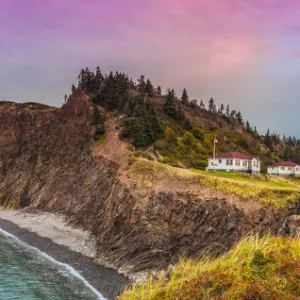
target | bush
x=188, y=139
x=198, y=134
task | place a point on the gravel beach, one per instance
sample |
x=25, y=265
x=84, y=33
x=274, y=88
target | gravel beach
x=49, y=233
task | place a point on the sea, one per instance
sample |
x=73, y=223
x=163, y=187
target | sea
x=26, y=273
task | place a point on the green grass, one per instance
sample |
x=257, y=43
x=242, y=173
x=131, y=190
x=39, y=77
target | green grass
x=255, y=268
x=268, y=192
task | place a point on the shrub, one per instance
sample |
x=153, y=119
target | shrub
x=188, y=139
x=198, y=134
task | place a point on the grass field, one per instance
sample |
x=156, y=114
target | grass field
x=268, y=191
x=255, y=268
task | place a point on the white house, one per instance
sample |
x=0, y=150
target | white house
x=284, y=168
x=234, y=162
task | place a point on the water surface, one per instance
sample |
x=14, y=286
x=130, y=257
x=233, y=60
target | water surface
x=28, y=274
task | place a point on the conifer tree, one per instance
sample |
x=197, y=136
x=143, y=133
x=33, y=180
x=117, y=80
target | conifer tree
x=73, y=88
x=211, y=105
x=158, y=90
x=202, y=105
x=239, y=117
x=221, y=110
x=268, y=141
x=170, y=106
x=227, y=110
x=184, y=97
x=149, y=88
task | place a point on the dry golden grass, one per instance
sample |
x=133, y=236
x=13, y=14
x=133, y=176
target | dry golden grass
x=255, y=268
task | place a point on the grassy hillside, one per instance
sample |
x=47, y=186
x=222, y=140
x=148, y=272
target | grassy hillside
x=179, y=129
x=264, y=189
x=256, y=268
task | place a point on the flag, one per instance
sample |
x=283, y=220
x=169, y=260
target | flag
x=215, y=140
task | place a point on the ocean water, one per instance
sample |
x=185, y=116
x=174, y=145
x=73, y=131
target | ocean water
x=28, y=274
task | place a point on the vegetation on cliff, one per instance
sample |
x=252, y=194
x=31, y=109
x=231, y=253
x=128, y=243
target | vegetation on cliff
x=255, y=268
x=180, y=129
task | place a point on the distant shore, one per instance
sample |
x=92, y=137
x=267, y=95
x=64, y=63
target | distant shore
x=49, y=233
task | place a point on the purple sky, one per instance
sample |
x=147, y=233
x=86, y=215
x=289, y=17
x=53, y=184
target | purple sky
x=245, y=53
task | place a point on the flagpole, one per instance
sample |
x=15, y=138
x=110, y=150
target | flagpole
x=214, y=153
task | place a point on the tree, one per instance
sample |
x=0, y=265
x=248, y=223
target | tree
x=187, y=125
x=170, y=106
x=268, y=141
x=239, y=117
x=142, y=85
x=202, y=105
x=227, y=110
x=180, y=113
x=194, y=103
x=65, y=98
x=158, y=90
x=184, y=97
x=248, y=127
x=221, y=110
x=211, y=105
x=149, y=88
x=188, y=139
x=197, y=134
x=73, y=88
x=233, y=114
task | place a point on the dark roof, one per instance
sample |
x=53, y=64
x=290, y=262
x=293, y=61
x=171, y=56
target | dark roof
x=284, y=164
x=236, y=155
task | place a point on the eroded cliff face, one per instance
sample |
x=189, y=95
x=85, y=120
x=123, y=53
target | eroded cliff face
x=55, y=167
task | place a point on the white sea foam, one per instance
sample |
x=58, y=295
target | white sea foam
x=64, y=266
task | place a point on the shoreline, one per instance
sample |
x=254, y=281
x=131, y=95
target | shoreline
x=64, y=244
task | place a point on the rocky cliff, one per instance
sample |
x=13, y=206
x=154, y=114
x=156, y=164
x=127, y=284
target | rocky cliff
x=142, y=219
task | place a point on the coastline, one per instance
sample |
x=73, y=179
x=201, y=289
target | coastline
x=48, y=233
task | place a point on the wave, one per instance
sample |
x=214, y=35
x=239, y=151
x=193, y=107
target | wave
x=67, y=267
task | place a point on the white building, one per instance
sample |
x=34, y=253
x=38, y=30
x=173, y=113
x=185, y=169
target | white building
x=284, y=168
x=234, y=162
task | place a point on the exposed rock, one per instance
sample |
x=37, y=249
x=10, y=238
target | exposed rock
x=51, y=167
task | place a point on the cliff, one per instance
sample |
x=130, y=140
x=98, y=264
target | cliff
x=144, y=215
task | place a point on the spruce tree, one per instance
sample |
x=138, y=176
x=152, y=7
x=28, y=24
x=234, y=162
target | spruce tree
x=227, y=110
x=158, y=90
x=221, y=110
x=211, y=105
x=202, y=105
x=268, y=141
x=73, y=88
x=170, y=106
x=239, y=117
x=184, y=97
x=149, y=88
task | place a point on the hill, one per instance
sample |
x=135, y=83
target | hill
x=180, y=131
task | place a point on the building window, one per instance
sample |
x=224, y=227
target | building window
x=245, y=163
x=220, y=161
x=237, y=163
x=229, y=162
x=290, y=169
x=212, y=163
x=283, y=168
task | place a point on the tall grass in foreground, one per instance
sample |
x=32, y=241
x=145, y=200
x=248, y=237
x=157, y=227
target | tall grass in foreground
x=255, y=268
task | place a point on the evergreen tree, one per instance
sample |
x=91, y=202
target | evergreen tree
x=221, y=110
x=248, y=127
x=142, y=85
x=194, y=103
x=180, y=113
x=170, y=106
x=239, y=117
x=73, y=88
x=65, y=98
x=202, y=105
x=211, y=105
x=187, y=125
x=233, y=114
x=158, y=90
x=268, y=141
x=149, y=88
x=227, y=110
x=184, y=97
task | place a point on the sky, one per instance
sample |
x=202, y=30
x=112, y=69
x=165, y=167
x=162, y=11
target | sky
x=245, y=53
